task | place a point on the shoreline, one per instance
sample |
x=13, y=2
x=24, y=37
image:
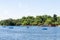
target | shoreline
x=34, y=25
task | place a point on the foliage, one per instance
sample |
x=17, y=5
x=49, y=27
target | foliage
x=30, y=20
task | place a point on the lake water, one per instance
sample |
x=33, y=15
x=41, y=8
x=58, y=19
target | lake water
x=29, y=33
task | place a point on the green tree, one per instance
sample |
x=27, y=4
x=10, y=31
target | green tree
x=54, y=17
x=7, y=22
x=48, y=21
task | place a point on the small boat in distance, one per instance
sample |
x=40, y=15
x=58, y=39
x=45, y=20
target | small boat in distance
x=44, y=28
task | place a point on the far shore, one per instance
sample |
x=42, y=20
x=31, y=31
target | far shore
x=34, y=25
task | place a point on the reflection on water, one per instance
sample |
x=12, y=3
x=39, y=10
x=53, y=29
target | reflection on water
x=11, y=27
x=29, y=33
x=27, y=27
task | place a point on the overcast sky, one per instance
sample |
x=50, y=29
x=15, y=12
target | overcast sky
x=19, y=8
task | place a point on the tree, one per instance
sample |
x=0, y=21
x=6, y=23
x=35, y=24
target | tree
x=48, y=21
x=54, y=17
x=7, y=22
x=24, y=23
x=30, y=20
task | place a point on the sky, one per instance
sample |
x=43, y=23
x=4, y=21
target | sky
x=18, y=8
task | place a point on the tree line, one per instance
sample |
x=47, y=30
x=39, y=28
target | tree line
x=32, y=21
